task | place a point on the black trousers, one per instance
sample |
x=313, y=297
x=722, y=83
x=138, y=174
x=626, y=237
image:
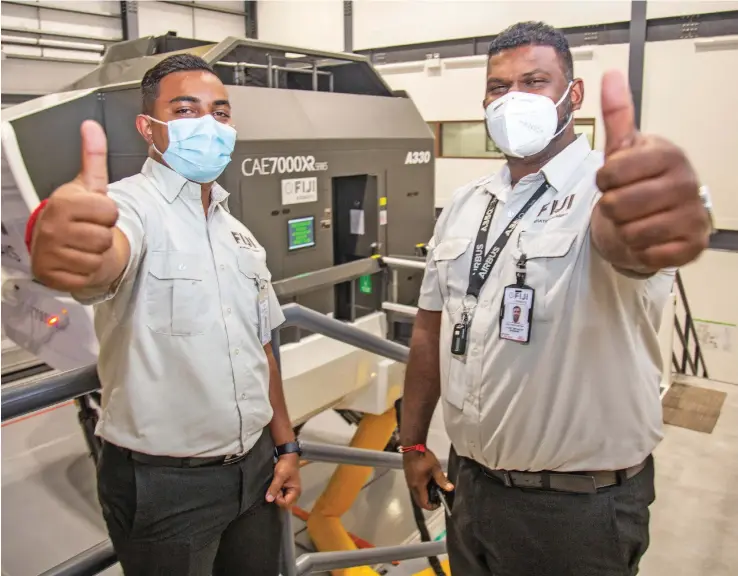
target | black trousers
x=499, y=531
x=191, y=521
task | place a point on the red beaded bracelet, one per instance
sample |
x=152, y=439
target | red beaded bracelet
x=32, y=222
x=416, y=448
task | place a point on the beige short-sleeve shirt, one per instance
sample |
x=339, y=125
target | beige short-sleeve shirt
x=182, y=360
x=583, y=394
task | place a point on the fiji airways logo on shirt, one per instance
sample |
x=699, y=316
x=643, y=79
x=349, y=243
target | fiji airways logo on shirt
x=555, y=209
x=243, y=241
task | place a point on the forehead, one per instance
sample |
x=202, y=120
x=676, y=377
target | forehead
x=199, y=83
x=524, y=59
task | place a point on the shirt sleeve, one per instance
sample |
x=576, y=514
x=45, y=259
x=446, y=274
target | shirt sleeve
x=430, y=290
x=276, y=316
x=131, y=222
x=431, y=297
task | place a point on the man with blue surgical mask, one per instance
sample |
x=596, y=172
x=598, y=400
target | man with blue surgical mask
x=193, y=411
x=537, y=326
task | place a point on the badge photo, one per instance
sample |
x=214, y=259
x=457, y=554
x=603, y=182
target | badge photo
x=516, y=313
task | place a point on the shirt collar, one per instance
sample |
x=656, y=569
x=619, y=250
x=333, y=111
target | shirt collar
x=561, y=168
x=557, y=171
x=171, y=185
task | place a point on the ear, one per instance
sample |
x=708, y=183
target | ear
x=143, y=125
x=577, y=94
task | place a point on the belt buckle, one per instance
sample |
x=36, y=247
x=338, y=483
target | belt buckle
x=232, y=459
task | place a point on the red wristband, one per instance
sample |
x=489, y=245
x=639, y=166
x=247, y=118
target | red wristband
x=416, y=448
x=32, y=222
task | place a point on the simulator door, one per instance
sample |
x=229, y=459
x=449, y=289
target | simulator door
x=355, y=236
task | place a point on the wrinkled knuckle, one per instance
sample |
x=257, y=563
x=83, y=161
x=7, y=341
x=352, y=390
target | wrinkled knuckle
x=106, y=241
x=602, y=179
x=628, y=234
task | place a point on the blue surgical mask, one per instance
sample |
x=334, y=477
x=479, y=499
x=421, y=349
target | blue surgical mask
x=199, y=148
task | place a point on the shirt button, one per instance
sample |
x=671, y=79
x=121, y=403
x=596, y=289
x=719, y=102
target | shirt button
x=222, y=267
x=182, y=267
x=243, y=396
x=228, y=310
x=237, y=351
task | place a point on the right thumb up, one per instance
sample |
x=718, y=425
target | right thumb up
x=94, y=173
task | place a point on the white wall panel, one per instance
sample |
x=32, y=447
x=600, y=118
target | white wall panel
x=68, y=23
x=49, y=75
x=215, y=26
x=32, y=18
x=456, y=93
x=91, y=6
x=664, y=8
x=682, y=101
x=392, y=22
x=157, y=18
x=710, y=285
x=38, y=77
x=316, y=24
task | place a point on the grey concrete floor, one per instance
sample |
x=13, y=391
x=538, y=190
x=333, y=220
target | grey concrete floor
x=50, y=512
x=694, y=526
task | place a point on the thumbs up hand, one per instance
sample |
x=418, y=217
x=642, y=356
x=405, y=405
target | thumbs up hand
x=650, y=202
x=74, y=231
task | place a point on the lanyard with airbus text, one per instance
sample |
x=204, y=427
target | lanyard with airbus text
x=482, y=266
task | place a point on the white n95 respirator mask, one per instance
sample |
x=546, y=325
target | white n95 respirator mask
x=523, y=124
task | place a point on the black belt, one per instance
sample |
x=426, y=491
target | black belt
x=572, y=482
x=174, y=462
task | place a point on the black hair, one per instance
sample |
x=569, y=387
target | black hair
x=171, y=64
x=536, y=34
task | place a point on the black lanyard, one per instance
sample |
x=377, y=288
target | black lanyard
x=481, y=265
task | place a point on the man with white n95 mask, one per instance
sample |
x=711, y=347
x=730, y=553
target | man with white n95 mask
x=538, y=322
x=193, y=412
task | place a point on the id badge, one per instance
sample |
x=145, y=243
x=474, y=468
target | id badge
x=516, y=313
x=265, y=329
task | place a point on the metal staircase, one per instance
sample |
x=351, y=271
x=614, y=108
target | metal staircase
x=689, y=360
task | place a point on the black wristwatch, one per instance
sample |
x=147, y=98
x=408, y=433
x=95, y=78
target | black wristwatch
x=289, y=448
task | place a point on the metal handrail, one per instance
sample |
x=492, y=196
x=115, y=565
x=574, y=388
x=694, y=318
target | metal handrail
x=21, y=399
x=304, y=318
x=321, y=561
x=90, y=562
x=397, y=262
x=401, y=309
x=310, y=281
x=102, y=556
x=25, y=398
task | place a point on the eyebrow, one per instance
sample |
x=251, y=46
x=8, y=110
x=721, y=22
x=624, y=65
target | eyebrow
x=196, y=100
x=185, y=99
x=537, y=71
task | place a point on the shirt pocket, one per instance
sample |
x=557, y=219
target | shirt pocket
x=551, y=259
x=453, y=270
x=176, y=298
x=254, y=274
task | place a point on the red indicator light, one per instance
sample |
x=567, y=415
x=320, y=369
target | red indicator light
x=52, y=320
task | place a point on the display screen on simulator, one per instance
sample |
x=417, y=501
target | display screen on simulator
x=301, y=232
